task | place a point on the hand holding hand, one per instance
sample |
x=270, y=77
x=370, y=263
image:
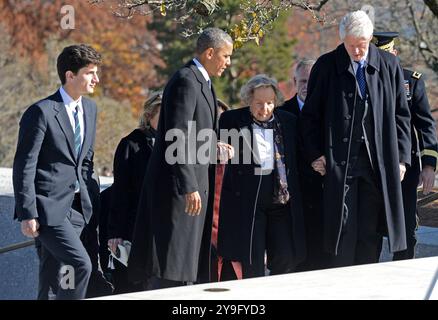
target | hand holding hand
x=319, y=165
x=225, y=152
x=113, y=244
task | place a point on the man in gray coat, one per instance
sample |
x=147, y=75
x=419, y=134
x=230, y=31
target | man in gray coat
x=55, y=193
x=356, y=131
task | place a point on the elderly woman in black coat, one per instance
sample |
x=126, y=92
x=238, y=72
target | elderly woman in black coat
x=130, y=162
x=260, y=208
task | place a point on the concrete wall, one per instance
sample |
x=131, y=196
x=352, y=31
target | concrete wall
x=19, y=268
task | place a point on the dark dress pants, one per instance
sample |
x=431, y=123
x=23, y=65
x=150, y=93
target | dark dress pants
x=409, y=189
x=121, y=282
x=48, y=266
x=312, y=196
x=272, y=234
x=61, y=246
x=363, y=217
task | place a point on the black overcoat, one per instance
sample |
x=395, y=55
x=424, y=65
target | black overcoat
x=325, y=126
x=130, y=162
x=240, y=185
x=167, y=241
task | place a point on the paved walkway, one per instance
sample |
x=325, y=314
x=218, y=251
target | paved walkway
x=401, y=280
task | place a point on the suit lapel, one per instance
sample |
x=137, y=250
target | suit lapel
x=216, y=118
x=373, y=82
x=208, y=94
x=295, y=106
x=64, y=122
x=88, y=124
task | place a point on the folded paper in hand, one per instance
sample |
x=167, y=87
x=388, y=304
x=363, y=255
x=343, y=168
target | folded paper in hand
x=122, y=252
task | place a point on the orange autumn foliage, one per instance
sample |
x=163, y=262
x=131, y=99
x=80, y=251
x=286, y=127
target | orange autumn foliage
x=129, y=49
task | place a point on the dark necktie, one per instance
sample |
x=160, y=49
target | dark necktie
x=77, y=132
x=78, y=141
x=360, y=77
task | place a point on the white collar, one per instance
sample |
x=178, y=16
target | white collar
x=270, y=120
x=362, y=61
x=68, y=101
x=202, y=69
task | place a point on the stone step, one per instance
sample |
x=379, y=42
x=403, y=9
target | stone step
x=414, y=279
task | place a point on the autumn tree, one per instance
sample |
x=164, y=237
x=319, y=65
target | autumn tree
x=272, y=54
x=129, y=48
x=31, y=41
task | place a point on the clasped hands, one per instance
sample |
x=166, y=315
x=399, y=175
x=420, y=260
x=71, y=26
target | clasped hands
x=319, y=165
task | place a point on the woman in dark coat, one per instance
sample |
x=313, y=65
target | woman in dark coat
x=130, y=162
x=260, y=207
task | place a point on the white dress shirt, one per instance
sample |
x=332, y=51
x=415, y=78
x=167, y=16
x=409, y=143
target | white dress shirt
x=70, y=106
x=202, y=70
x=355, y=66
x=265, y=146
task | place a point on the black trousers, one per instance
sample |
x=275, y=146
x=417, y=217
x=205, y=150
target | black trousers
x=272, y=234
x=409, y=190
x=61, y=246
x=312, y=196
x=48, y=266
x=119, y=277
x=363, y=217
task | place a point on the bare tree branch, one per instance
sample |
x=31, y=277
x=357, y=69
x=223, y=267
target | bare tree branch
x=433, y=6
x=309, y=6
x=422, y=42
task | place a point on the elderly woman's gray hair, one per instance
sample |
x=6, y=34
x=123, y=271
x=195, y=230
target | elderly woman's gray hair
x=260, y=81
x=150, y=109
x=357, y=24
x=212, y=38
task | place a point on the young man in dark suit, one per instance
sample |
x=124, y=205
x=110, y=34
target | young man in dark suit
x=173, y=220
x=54, y=190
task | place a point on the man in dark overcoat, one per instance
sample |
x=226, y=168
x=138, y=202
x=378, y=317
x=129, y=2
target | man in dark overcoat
x=311, y=182
x=172, y=214
x=356, y=131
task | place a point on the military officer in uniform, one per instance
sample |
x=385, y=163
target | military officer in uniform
x=424, y=145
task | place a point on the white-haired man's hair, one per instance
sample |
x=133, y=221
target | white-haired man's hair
x=356, y=24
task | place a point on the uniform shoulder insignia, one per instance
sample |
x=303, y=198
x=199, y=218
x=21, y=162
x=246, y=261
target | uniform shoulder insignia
x=416, y=75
